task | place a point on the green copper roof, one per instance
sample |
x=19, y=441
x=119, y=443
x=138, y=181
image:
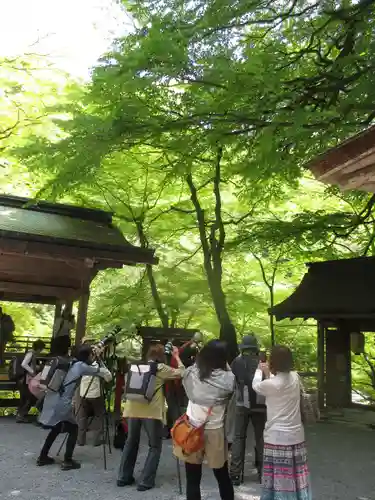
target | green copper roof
x=61, y=227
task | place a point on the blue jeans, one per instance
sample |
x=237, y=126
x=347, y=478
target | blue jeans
x=154, y=431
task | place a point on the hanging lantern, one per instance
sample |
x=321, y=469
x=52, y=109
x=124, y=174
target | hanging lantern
x=357, y=343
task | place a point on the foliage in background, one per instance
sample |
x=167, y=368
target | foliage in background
x=194, y=131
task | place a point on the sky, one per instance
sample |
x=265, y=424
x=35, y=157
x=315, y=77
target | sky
x=74, y=33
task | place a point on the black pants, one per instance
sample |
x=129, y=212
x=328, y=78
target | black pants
x=194, y=477
x=174, y=408
x=242, y=420
x=27, y=400
x=154, y=431
x=61, y=428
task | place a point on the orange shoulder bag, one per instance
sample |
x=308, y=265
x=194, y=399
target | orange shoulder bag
x=189, y=438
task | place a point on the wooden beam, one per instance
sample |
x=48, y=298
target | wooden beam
x=39, y=290
x=131, y=255
x=321, y=365
x=82, y=318
x=28, y=299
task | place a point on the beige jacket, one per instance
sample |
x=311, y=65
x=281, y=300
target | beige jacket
x=90, y=387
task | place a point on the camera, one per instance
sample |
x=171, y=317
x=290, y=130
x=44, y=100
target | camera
x=168, y=348
x=110, y=338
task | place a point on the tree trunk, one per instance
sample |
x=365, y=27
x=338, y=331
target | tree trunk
x=212, y=247
x=151, y=279
x=272, y=317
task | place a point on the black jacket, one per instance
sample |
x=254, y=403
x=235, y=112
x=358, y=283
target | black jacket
x=244, y=367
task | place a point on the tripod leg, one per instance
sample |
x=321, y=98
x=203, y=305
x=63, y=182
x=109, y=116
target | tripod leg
x=179, y=476
x=62, y=444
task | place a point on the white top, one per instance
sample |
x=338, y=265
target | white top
x=91, y=386
x=27, y=363
x=198, y=415
x=282, y=392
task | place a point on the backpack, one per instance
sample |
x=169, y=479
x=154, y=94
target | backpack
x=15, y=370
x=244, y=368
x=54, y=373
x=141, y=382
x=7, y=328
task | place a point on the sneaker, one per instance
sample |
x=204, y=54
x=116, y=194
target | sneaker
x=236, y=480
x=70, y=465
x=22, y=420
x=142, y=487
x=120, y=483
x=45, y=461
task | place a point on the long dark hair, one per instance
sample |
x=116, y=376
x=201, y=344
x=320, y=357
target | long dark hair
x=212, y=357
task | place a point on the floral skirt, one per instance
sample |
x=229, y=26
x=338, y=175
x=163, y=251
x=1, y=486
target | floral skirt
x=285, y=473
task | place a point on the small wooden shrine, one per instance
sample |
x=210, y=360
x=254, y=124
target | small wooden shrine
x=51, y=252
x=339, y=295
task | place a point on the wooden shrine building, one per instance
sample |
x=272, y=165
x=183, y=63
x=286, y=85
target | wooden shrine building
x=338, y=294
x=152, y=335
x=51, y=252
x=350, y=165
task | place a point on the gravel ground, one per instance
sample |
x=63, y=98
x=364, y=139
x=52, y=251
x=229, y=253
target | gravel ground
x=342, y=461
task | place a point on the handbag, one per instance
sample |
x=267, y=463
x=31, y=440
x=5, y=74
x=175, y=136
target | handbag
x=189, y=438
x=121, y=435
x=35, y=387
x=309, y=415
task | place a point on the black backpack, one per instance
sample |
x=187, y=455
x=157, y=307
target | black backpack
x=15, y=370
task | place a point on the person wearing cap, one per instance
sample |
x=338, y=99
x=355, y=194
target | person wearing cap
x=250, y=407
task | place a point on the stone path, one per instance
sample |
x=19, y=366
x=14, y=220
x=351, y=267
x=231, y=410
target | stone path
x=342, y=461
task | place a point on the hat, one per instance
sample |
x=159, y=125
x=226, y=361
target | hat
x=249, y=342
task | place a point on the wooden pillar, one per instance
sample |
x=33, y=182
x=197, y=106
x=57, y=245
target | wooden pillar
x=58, y=309
x=82, y=317
x=338, y=382
x=321, y=365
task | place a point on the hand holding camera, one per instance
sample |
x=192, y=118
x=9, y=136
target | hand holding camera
x=265, y=369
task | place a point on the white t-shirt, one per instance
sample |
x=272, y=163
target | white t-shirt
x=198, y=415
x=282, y=392
x=28, y=363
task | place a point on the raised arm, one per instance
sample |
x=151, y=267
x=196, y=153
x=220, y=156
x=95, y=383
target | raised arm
x=263, y=387
x=167, y=372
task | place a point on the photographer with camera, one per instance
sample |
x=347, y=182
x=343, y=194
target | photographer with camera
x=145, y=407
x=174, y=391
x=91, y=403
x=57, y=413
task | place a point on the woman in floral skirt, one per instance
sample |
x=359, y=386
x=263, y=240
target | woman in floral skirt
x=285, y=469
